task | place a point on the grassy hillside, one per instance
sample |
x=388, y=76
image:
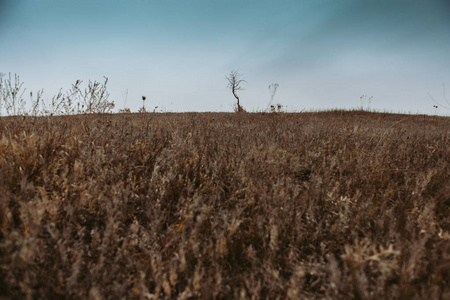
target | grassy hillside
x=331, y=205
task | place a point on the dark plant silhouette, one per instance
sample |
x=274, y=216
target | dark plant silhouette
x=143, y=104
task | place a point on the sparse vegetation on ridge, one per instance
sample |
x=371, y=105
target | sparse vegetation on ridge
x=93, y=99
x=333, y=205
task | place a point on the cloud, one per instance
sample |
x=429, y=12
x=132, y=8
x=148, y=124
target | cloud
x=6, y=7
x=371, y=28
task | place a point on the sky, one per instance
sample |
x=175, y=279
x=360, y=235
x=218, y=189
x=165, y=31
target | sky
x=324, y=54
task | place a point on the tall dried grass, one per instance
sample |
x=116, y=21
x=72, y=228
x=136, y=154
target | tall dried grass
x=333, y=205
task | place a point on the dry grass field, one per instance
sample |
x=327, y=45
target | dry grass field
x=326, y=205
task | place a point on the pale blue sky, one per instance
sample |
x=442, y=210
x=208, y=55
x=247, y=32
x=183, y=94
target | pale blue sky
x=322, y=53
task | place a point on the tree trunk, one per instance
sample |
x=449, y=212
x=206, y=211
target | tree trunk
x=237, y=98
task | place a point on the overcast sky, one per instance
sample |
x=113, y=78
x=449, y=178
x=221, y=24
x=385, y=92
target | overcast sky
x=323, y=53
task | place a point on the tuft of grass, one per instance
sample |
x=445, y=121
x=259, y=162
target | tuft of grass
x=332, y=205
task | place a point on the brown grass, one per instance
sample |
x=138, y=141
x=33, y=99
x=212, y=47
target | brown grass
x=333, y=205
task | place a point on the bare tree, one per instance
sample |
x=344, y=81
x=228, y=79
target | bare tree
x=234, y=83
